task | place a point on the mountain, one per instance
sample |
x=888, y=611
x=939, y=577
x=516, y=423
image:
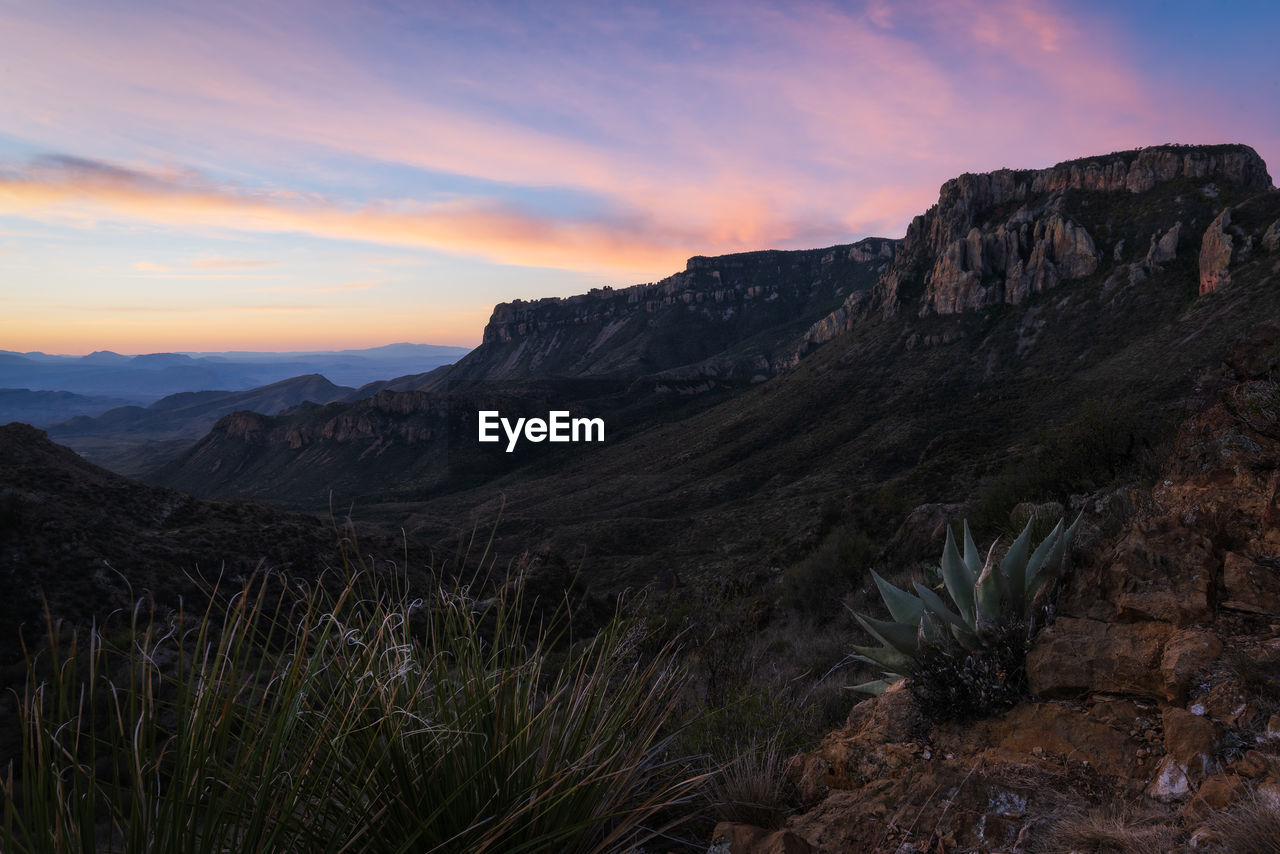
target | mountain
x=131, y=439
x=1030, y=317
x=50, y=407
x=741, y=316
x=148, y=377
x=90, y=541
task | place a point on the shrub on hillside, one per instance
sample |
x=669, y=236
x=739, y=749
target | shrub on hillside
x=969, y=661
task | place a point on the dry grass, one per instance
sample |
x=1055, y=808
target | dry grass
x=1112, y=830
x=331, y=719
x=753, y=789
x=1250, y=827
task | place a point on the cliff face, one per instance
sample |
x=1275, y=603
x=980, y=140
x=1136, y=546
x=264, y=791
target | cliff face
x=1002, y=236
x=737, y=316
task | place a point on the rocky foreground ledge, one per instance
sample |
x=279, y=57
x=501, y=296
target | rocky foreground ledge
x=1159, y=679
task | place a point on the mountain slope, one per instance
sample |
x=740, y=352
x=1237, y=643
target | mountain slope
x=1027, y=311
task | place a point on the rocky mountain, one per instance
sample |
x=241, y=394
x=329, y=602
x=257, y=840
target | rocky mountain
x=1042, y=315
x=133, y=439
x=740, y=316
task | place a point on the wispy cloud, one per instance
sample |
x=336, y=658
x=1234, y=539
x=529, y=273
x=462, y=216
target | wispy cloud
x=82, y=192
x=312, y=289
x=216, y=263
x=204, y=265
x=771, y=135
x=152, y=267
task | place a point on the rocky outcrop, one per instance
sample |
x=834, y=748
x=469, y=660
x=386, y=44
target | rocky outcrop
x=720, y=303
x=1000, y=236
x=1215, y=254
x=1026, y=255
x=1148, y=679
x=1238, y=234
x=1165, y=248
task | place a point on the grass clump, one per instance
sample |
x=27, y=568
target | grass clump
x=341, y=716
x=1252, y=826
x=1111, y=830
x=753, y=788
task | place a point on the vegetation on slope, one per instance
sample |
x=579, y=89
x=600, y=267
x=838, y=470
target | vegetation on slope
x=352, y=714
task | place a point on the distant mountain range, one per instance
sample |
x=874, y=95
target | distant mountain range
x=1062, y=313
x=103, y=379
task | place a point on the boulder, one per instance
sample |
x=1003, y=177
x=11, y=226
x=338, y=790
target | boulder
x=1187, y=653
x=1215, y=254
x=733, y=838
x=1075, y=657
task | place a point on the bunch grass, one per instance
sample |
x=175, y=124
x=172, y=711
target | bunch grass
x=346, y=715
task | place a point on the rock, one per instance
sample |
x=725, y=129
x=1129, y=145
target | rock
x=1165, y=248
x=1254, y=764
x=1049, y=511
x=1250, y=586
x=1074, y=657
x=1187, y=653
x=733, y=838
x=922, y=534
x=1069, y=732
x=941, y=256
x=1164, y=573
x=1216, y=793
x=1016, y=260
x=1271, y=239
x=1229, y=702
x=1193, y=741
x=1215, y=254
x=1170, y=782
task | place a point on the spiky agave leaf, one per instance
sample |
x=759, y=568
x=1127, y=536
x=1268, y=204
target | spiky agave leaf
x=989, y=598
x=1038, y=559
x=967, y=639
x=930, y=631
x=972, y=557
x=903, y=606
x=884, y=656
x=934, y=605
x=958, y=579
x=876, y=686
x=1014, y=570
x=900, y=636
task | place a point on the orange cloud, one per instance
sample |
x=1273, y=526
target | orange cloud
x=84, y=191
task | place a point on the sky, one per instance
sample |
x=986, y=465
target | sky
x=324, y=175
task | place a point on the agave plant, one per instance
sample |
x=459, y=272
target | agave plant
x=988, y=598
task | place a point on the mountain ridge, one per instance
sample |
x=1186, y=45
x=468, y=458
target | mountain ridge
x=927, y=405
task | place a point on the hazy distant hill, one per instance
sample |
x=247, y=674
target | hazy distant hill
x=132, y=439
x=48, y=407
x=148, y=377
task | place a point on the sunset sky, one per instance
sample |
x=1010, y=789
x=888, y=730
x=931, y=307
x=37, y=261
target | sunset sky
x=324, y=175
